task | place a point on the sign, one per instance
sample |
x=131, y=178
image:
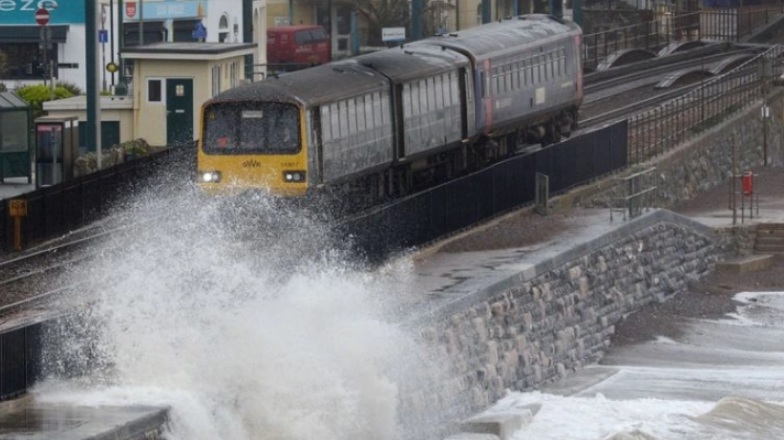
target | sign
x=199, y=31
x=391, y=34
x=130, y=9
x=42, y=16
x=103, y=36
x=18, y=12
x=167, y=10
x=17, y=207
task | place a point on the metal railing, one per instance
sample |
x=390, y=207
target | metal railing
x=661, y=129
x=732, y=24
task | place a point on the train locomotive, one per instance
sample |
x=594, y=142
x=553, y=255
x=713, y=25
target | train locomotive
x=387, y=123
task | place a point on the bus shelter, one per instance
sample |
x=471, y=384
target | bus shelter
x=16, y=153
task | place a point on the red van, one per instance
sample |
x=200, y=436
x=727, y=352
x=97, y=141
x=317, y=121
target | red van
x=297, y=46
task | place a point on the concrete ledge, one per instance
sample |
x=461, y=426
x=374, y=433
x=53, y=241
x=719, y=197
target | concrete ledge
x=500, y=424
x=749, y=263
x=470, y=436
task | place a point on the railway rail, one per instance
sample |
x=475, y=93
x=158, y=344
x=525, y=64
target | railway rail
x=30, y=280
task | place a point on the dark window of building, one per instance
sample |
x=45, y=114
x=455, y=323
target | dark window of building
x=26, y=61
x=154, y=90
x=154, y=32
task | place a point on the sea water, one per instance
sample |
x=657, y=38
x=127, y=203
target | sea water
x=247, y=321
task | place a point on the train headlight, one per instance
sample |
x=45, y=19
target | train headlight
x=294, y=176
x=211, y=176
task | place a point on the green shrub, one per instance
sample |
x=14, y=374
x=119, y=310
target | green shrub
x=37, y=94
x=73, y=88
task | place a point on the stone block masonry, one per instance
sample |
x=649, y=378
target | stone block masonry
x=560, y=315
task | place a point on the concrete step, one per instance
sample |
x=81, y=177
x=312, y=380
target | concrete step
x=748, y=263
x=768, y=249
x=769, y=238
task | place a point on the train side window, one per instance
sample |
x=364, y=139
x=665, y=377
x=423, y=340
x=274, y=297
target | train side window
x=416, y=98
x=351, y=112
x=361, y=114
x=539, y=69
x=446, y=82
x=551, y=65
x=563, y=62
x=424, y=97
x=378, y=110
x=520, y=74
x=344, y=133
x=369, y=112
x=384, y=99
x=326, y=128
x=407, y=106
x=334, y=121
x=432, y=103
x=438, y=88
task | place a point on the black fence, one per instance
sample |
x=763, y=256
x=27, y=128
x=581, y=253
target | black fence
x=20, y=360
x=57, y=209
x=461, y=203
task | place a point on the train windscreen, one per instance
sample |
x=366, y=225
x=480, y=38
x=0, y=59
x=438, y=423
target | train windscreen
x=251, y=128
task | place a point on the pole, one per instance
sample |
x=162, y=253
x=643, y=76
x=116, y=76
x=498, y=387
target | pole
x=416, y=19
x=457, y=14
x=354, y=34
x=93, y=97
x=111, y=36
x=103, y=49
x=121, y=42
x=141, y=22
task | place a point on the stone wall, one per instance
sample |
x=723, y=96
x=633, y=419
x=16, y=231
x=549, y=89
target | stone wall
x=560, y=316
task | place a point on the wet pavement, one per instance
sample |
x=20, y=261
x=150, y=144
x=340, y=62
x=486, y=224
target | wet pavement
x=31, y=420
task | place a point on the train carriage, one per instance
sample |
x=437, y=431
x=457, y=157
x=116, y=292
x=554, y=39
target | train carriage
x=288, y=134
x=526, y=69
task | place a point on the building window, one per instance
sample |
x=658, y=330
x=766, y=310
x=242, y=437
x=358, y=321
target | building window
x=154, y=90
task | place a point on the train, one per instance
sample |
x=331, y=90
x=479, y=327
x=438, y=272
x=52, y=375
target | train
x=385, y=124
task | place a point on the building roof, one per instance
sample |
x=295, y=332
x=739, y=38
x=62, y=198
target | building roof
x=9, y=100
x=188, y=51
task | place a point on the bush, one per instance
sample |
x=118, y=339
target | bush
x=37, y=94
x=73, y=88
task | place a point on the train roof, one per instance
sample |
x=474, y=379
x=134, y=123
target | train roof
x=345, y=79
x=483, y=41
x=413, y=61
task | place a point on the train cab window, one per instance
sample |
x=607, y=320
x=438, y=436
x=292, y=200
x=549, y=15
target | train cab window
x=259, y=128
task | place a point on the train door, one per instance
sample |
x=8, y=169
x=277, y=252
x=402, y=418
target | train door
x=179, y=111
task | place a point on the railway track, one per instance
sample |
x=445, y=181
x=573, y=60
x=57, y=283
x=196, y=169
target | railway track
x=621, y=96
x=35, y=278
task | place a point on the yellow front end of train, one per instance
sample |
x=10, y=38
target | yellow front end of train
x=251, y=145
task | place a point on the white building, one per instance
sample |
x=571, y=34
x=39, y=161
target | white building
x=211, y=21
